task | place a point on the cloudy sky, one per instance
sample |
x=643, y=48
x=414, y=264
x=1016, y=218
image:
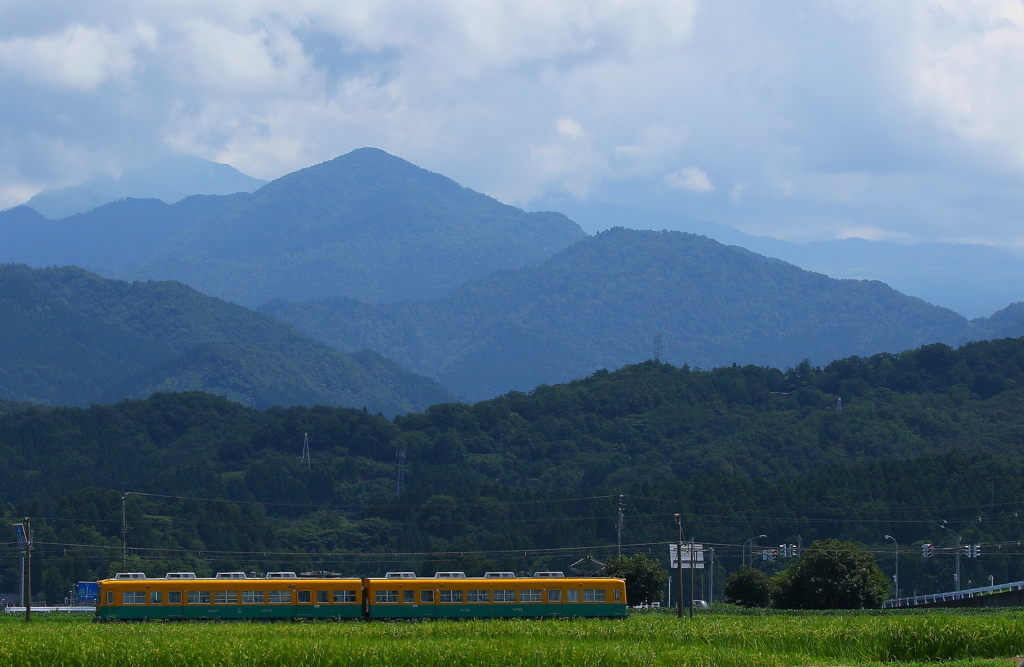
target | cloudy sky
x=804, y=119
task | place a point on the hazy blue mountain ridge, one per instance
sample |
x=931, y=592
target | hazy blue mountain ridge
x=367, y=225
x=971, y=279
x=71, y=337
x=598, y=304
x=105, y=239
x=168, y=178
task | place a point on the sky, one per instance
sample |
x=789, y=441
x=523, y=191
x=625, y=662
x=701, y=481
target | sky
x=804, y=119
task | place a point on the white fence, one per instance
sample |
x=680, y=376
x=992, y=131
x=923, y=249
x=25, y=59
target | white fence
x=952, y=595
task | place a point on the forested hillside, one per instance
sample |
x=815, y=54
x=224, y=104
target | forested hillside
x=367, y=225
x=599, y=303
x=71, y=337
x=927, y=443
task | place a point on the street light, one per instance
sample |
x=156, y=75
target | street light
x=896, y=579
x=751, y=543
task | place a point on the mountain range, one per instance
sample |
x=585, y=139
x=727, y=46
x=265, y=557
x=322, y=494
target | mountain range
x=71, y=337
x=972, y=279
x=370, y=252
x=366, y=225
x=168, y=177
x=599, y=303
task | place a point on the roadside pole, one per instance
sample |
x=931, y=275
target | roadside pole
x=28, y=572
x=679, y=568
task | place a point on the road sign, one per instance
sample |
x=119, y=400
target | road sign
x=88, y=590
x=697, y=553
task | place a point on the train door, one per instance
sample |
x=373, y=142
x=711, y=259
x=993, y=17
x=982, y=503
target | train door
x=175, y=604
x=555, y=598
x=427, y=602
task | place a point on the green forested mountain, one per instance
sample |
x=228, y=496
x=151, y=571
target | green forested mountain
x=599, y=303
x=71, y=337
x=366, y=225
x=109, y=237
x=927, y=443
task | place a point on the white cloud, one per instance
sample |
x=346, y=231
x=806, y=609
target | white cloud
x=689, y=178
x=79, y=57
x=823, y=115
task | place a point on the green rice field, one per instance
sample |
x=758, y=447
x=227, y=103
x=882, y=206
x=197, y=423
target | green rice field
x=741, y=640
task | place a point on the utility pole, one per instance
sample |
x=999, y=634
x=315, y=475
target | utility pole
x=620, y=526
x=28, y=571
x=692, y=568
x=124, y=535
x=679, y=568
x=958, y=563
x=711, y=577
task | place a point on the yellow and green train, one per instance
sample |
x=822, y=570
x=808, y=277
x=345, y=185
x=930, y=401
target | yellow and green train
x=398, y=595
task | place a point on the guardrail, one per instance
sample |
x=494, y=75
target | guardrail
x=952, y=595
x=47, y=610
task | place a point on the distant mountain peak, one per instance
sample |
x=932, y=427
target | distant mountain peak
x=170, y=178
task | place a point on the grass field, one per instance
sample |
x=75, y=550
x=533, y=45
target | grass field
x=747, y=641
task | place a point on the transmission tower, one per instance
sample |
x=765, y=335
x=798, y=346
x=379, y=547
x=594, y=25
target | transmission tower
x=401, y=472
x=306, y=458
x=657, y=347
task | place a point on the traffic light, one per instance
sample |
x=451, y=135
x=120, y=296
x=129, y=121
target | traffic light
x=769, y=554
x=927, y=550
x=975, y=550
x=784, y=551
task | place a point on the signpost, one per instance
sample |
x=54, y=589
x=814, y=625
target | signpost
x=690, y=557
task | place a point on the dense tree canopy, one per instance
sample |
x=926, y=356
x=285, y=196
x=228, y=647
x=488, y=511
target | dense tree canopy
x=749, y=588
x=737, y=451
x=832, y=575
x=645, y=577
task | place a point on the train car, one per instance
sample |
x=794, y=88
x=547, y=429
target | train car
x=403, y=595
x=228, y=596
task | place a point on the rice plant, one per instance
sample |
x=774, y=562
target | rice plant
x=642, y=641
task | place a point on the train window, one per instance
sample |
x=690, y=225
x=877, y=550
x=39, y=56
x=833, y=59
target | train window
x=155, y=597
x=279, y=597
x=572, y=595
x=322, y=597
x=344, y=596
x=594, y=595
x=305, y=596
x=409, y=597
x=618, y=595
x=504, y=596
x=454, y=597
x=225, y=597
x=110, y=597
x=199, y=597
x=133, y=597
x=554, y=595
x=173, y=597
x=386, y=597
x=530, y=596
x=252, y=597
x=477, y=596
x=427, y=596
